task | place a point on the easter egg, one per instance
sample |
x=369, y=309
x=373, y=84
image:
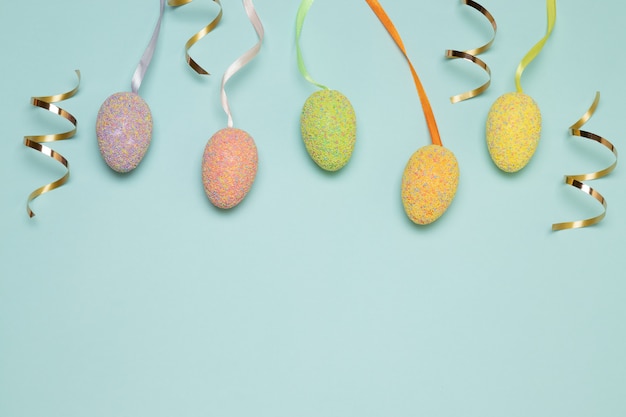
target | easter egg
x=328, y=126
x=124, y=130
x=513, y=131
x=229, y=167
x=429, y=183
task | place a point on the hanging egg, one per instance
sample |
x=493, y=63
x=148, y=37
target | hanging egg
x=513, y=131
x=124, y=130
x=429, y=183
x=328, y=125
x=229, y=167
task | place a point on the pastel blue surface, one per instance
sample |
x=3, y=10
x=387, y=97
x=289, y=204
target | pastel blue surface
x=131, y=295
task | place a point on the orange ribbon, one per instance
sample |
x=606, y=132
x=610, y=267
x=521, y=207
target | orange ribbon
x=428, y=112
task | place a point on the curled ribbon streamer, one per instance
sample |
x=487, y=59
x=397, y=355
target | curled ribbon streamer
x=195, y=38
x=470, y=55
x=534, y=51
x=576, y=180
x=305, y=5
x=243, y=59
x=144, y=62
x=428, y=112
x=34, y=142
x=471, y=58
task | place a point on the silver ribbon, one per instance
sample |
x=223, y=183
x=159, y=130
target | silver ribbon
x=142, y=67
x=245, y=58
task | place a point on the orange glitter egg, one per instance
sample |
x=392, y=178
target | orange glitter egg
x=429, y=183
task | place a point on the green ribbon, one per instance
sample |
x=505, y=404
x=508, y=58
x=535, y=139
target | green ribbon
x=532, y=54
x=305, y=5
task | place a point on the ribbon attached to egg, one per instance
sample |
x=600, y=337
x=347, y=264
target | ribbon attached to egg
x=230, y=158
x=124, y=122
x=328, y=120
x=576, y=181
x=470, y=55
x=513, y=126
x=431, y=176
x=534, y=51
x=35, y=142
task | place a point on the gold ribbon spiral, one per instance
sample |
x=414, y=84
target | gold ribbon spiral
x=35, y=142
x=576, y=181
x=470, y=55
x=195, y=38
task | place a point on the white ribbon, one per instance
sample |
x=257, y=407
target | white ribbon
x=243, y=59
x=142, y=67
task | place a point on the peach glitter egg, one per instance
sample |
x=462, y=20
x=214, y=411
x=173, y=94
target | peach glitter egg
x=229, y=167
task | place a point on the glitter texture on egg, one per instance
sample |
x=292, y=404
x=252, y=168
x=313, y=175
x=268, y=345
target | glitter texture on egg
x=229, y=167
x=429, y=183
x=124, y=130
x=513, y=131
x=328, y=125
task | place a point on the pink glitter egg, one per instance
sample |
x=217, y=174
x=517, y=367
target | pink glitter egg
x=124, y=130
x=229, y=167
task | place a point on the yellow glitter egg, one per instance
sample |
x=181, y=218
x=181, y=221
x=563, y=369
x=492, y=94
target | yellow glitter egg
x=328, y=125
x=513, y=131
x=429, y=183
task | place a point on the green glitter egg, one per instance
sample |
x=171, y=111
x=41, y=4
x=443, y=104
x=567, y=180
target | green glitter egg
x=328, y=126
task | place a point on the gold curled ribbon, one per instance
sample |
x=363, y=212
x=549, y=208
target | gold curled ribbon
x=470, y=55
x=195, y=38
x=34, y=142
x=576, y=181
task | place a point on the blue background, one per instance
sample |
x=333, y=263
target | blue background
x=131, y=295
